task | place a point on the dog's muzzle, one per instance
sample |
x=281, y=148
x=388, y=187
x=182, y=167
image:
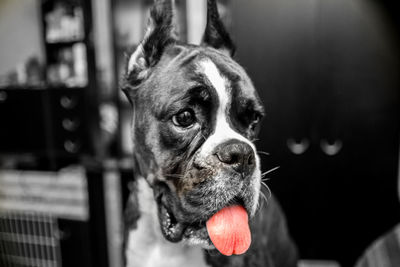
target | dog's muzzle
x=225, y=177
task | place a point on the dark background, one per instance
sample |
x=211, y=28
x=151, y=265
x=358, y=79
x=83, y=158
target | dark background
x=328, y=73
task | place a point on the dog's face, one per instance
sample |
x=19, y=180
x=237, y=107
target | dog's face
x=196, y=114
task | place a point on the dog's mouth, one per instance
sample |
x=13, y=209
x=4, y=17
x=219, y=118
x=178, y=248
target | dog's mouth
x=175, y=231
x=194, y=232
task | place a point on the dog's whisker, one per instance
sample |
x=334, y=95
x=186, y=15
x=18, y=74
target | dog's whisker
x=260, y=205
x=264, y=197
x=265, y=179
x=269, y=171
x=267, y=188
x=263, y=153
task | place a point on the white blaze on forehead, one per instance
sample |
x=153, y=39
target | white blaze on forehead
x=223, y=131
x=218, y=82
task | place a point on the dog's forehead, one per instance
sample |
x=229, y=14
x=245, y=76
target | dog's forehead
x=184, y=66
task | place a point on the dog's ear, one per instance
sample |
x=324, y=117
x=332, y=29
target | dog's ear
x=215, y=34
x=160, y=33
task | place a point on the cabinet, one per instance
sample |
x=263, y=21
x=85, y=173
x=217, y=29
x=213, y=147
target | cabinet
x=54, y=122
x=327, y=72
x=48, y=124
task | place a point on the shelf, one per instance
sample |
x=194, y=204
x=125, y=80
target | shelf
x=41, y=87
x=64, y=43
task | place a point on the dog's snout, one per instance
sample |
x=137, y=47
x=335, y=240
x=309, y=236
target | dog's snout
x=238, y=155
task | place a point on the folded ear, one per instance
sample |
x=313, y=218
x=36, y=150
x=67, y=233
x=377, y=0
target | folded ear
x=160, y=33
x=215, y=34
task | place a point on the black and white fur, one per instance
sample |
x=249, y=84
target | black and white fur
x=186, y=172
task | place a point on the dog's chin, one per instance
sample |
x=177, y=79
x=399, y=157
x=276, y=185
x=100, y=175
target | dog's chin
x=196, y=238
x=194, y=234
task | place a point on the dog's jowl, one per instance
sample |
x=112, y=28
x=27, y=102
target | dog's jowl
x=196, y=198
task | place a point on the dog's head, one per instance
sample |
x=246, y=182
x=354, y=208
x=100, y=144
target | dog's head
x=195, y=117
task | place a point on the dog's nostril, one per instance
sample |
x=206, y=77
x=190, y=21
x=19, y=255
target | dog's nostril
x=233, y=159
x=228, y=157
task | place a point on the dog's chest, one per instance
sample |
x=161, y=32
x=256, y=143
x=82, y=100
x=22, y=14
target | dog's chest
x=146, y=247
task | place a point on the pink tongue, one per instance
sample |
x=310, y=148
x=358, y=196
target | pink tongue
x=229, y=230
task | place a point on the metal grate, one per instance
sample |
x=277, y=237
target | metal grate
x=29, y=239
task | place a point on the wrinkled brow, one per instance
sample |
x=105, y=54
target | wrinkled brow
x=199, y=93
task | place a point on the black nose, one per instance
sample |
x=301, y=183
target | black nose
x=238, y=155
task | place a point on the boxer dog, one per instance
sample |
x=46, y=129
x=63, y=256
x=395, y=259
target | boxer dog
x=197, y=195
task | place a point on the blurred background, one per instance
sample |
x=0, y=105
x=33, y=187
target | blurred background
x=326, y=70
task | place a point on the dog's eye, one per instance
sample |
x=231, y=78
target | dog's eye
x=184, y=119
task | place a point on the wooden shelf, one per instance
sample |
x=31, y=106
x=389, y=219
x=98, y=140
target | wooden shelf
x=64, y=43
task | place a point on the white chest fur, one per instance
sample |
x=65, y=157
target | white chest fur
x=146, y=247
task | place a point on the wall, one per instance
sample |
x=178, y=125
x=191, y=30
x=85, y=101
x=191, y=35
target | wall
x=20, y=33
x=196, y=20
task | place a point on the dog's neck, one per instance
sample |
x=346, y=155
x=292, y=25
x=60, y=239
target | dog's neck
x=146, y=245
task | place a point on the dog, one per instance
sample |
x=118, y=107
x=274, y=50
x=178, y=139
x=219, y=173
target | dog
x=195, y=115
